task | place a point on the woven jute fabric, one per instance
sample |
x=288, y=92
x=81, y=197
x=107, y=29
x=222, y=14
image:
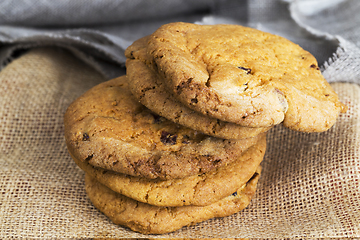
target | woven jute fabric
x=309, y=185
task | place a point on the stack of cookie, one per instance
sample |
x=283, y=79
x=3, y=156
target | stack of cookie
x=151, y=174
x=180, y=138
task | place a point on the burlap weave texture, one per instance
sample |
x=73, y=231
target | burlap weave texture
x=309, y=186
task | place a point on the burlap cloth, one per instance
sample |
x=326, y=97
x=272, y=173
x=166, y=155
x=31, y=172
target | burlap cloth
x=310, y=182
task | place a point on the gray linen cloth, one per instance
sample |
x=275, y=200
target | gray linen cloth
x=100, y=30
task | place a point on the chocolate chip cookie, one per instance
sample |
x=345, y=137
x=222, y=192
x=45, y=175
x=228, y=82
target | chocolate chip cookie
x=148, y=88
x=243, y=75
x=200, y=189
x=148, y=219
x=107, y=127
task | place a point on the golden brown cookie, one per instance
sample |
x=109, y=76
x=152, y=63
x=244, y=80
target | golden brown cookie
x=146, y=86
x=148, y=219
x=108, y=128
x=199, y=190
x=243, y=75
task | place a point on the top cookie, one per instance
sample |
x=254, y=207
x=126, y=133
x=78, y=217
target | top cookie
x=146, y=85
x=242, y=75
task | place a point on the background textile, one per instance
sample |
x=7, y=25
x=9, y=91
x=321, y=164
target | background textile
x=53, y=51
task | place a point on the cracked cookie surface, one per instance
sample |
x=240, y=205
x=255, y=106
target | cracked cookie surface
x=243, y=75
x=146, y=86
x=108, y=128
x=148, y=219
x=199, y=190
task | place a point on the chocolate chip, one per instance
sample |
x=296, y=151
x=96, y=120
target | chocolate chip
x=168, y=138
x=85, y=137
x=194, y=100
x=314, y=66
x=216, y=162
x=89, y=157
x=184, y=85
x=248, y=70
x=245, y=86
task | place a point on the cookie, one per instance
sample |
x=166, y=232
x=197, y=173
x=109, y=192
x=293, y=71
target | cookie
x=146, y=86
x=148, y=219
x=243, y=75
x=199, y=190
x=108, y=128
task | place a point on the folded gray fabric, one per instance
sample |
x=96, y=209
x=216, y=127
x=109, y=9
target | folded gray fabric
x=69, y=13
x=334, y=20
x=99, y=31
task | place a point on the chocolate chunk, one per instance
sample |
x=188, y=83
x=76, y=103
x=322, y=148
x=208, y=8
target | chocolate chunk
x=245, y=86
x=314, y=66
x=85, y=137
x=168, y=138
x=194, y=100
x=248, y=70
x=89, y=157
